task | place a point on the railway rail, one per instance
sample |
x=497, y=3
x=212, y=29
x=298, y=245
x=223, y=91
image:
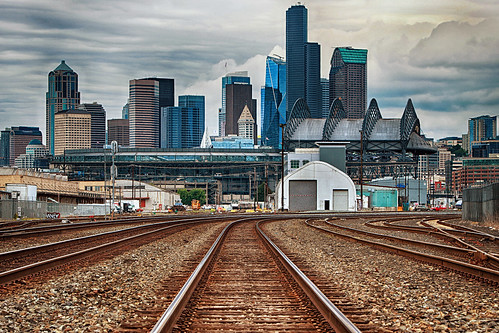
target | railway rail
x=246, y=283
x=21, y=263
x=478, y=272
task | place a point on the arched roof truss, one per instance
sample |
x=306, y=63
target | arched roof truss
x=336, y=113
x=409, y=122
x=372, y=116
x=299, y=112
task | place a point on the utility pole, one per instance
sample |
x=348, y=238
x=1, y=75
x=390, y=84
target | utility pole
x=256, y=190
x=361, y=172
x=282, y=126
x=114, y=150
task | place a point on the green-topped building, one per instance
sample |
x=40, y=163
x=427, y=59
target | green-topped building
x=62, y=95
x=348, y=80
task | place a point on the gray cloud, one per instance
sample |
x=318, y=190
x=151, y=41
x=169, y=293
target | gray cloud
x=443, y=58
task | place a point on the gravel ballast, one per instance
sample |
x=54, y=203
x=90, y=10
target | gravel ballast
x=404, y=295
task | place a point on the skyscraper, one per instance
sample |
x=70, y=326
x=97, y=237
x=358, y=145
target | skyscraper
x=296, y=37
x=147, y=96
x=273, y=101
x=348, y=80
x=303, y=62
x=98, y=123
x=183, y=125
x=62, y=94
x=313, y=94
x=14, y=141
x=246, y=124
x=231, y=78
x=237, y=97
x=118, y=130
x=72, y=128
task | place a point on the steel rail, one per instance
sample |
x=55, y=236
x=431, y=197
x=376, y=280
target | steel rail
x=331, y=313
x=46, y=247
x=17, y=273
x=458, y=266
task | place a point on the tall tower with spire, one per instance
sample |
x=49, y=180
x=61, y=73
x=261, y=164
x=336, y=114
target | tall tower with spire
x=62, y=95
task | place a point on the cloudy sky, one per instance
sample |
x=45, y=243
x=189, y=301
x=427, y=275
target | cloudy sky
x=444, y=54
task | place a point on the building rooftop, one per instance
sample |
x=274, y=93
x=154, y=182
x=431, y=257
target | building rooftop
x=63, y=67
x=353, y=56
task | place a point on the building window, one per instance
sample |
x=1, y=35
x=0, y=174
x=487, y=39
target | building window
x=304, y=162
x=295, y=164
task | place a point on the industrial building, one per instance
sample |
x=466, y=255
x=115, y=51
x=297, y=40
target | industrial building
x=317, y=186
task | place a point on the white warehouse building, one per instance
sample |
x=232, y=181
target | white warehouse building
x=317, y=186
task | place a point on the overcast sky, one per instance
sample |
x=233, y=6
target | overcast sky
x=444, y=54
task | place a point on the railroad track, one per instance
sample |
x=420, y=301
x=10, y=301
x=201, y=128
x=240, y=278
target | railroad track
x=246, y=284
x=22, y=263
x=481, y=273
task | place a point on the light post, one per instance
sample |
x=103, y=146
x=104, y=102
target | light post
x=361, y=172
x=114, y=150
x=282, y=126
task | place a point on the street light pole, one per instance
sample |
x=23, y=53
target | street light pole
x=282, y=166
x=361, y=172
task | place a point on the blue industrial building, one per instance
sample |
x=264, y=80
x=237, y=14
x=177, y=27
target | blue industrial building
x=183, y=125
x=273, y=99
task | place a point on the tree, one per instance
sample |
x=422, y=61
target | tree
x=260, y=194
x=188, y=195
x=458, y=151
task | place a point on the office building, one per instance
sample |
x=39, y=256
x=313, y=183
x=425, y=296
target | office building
x=72, y=130
x=183, y=125
x=246, y=124
x=273, y=101
x=313, y=94
x=118, y=130
x=302, y=62
x=62, y=94
x=482, y=128
x=237, y=97
x=348, y=80
x=98, y=123
x=35, y=156
x=14, y=141
x=147, y=96
x=125, y=110
x=325, y=97
x=240, y=77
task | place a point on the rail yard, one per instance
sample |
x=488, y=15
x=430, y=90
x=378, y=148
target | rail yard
x=398, y=272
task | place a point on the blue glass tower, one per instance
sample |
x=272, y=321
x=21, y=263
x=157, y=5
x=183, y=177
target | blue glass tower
x=183, y=125
x=273, y=101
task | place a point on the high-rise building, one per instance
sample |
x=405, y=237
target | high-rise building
x=14, y=141
x=125, y=110
x=348, y=80
x=273, y=101
x=237, y=97
x=118, y=130
x=302, y=62
x=231, y=78
x=313, y=94
x=73, y=129
x=246, y=124
x=296, y=37
x=482, y=128
x=183, y=125
x=147, y=96
x=35, y=156
x=325, y=97
x=98, y=124
x=62, y=94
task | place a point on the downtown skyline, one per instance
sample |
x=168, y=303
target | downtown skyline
x=444, y=56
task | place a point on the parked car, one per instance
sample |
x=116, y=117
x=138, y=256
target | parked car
x=421, y=208
x=439, y=208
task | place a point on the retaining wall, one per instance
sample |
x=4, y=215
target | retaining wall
x=481, y=204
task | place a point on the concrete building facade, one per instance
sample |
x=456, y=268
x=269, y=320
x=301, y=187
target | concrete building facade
x=72, y=130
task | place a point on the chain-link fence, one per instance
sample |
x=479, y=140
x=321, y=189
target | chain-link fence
x=12, y=208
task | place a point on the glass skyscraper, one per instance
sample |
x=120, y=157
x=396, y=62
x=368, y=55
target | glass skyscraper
x=325, y=97
x=302, y=62
x=231, y=78
x=183, y=125
x=273, y=101
x=62, y=94
x=482, y=128
x=348, y=80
